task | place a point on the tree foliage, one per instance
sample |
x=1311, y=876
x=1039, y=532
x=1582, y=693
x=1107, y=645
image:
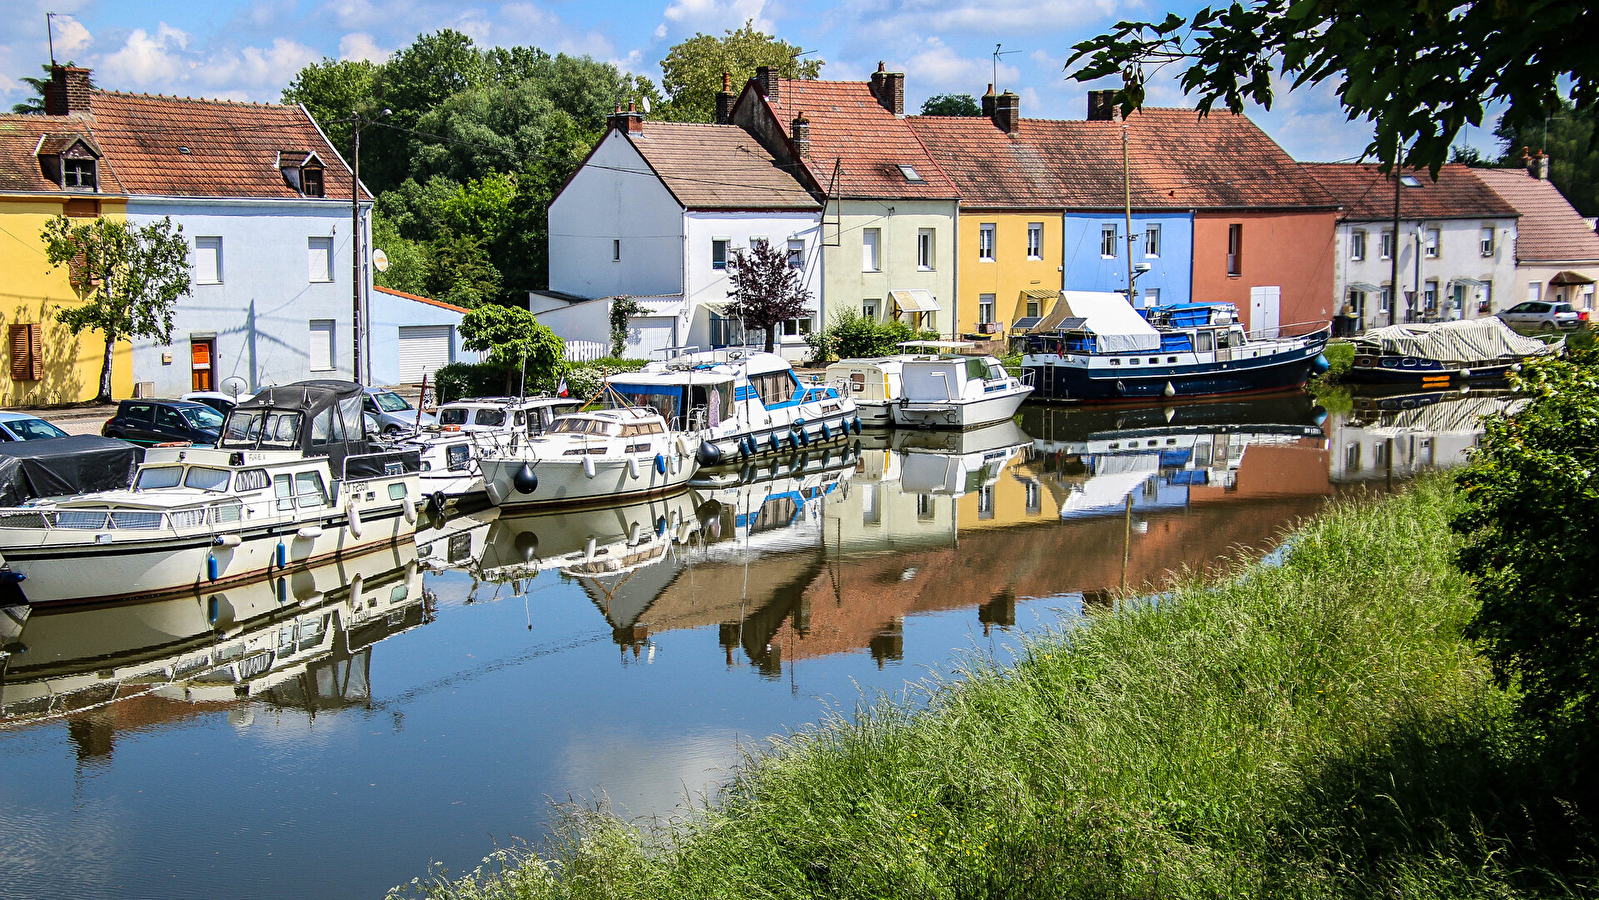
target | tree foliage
x=951, y=105
x=765, y=290
x=1567, y=138
x=335, y=89
x=692, y=70
x=1418, y=71
x=34, y=105
x=851, y=335
x=622, y=309
x=512, y=337
x=129, y=276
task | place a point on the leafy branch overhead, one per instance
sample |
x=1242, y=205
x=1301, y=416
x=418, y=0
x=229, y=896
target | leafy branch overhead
x=1418, y=71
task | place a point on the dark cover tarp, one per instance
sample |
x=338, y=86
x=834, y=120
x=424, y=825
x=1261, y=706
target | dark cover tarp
x=66, y=466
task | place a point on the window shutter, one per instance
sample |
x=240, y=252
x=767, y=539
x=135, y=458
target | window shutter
x=26, y=353
x=35, y=352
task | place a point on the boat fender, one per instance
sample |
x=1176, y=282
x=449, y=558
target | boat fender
x=354, y=524
x=526, y=481
x=632, y=468
x=660, y=464
x=747, y=474
x=827, y=432
x=1320, y=364
x=800, y=462
x=1465, y=373
x=211, y=566
x=227, y=540
x=804, y=437
x=856, y=425
x=772, y=439
x=409, y=509
x=1318, y=414
x=527, y=545
x=589, y=547
x=708, y=512
x=793, y=441
x=743, y=449
x=283, y=590
x=827, y=458
x=588, y=466
x=282, y=555
x=633, y=532
x=438, y=502
x=1121, y=388
x=709, y=454
x=1169, y=390
x=660, y=525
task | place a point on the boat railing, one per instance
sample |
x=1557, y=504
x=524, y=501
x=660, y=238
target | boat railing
x=1293, y=331
x=182, y=518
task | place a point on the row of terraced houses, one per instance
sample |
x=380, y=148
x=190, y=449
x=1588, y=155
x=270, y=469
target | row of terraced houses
x=971, y=226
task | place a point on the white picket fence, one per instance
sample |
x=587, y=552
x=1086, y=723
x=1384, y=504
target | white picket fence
x=586, y=351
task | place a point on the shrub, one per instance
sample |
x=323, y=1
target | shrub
x=460, y=379
x=854, y=336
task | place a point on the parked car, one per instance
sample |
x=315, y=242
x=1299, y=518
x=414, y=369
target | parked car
x=161, y=421
x=222, y=403
x=394, y=413
x=23, y=427
x=1541, y=315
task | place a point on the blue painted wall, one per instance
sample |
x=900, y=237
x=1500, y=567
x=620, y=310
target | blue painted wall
x=389, y=312
x=1087, y=270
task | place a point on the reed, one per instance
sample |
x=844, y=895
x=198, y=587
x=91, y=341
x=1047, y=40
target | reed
x=1317, y=728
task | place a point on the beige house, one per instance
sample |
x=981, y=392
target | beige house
x=1557, y=251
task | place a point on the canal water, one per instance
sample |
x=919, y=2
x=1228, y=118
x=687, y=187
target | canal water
x=332, y=732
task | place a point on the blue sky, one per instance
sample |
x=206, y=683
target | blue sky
x=248, y=49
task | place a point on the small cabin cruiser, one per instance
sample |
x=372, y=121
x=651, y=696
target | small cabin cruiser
x=957, y=392
x=878, y=386
x=468, y=429
x=1433, y=355
x=1094, y=347
x=293, y=480
x=606, y=455
x=734, y=404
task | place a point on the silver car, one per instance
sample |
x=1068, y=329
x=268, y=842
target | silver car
x=1541, y=315
x=395, y=416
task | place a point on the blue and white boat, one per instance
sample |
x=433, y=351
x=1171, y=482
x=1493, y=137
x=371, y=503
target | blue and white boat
x=736, y=404
x=1095, y=348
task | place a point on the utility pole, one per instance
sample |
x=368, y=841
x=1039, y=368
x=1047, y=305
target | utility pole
x=1127, y=196
x=357, y=270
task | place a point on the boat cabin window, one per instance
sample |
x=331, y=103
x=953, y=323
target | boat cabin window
x=457, y=456
x=666, y=400
x=857, y=381
x=976, y=368
x=206, y=478
x=269, y=427
x=585, y=426
x=996, y=372
x=773, y=387
x=640, y=429
x=1205, y=341
x=454, y=415
x=251, y=480
x=490, y=417
x=159, y=477
x=328, y=427
x=302, y=487
x=715, y=399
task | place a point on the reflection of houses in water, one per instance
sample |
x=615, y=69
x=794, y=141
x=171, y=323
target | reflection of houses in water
x=1402, y=435
x=299, y=640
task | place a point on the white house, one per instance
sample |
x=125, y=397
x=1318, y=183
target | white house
x=1557, y=251
x=412, y=336
x=1456, y=245
x=655, y=213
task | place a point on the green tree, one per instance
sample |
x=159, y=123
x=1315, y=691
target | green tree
x=460, y=271
x=622, y=309
x=951, y=105
x=333, y=89
x=410, y=261
x=765, y=291
x=692, y=70
x=1418, y=71
x=129, y=276
x=34, y=105
x=1566, y=136
x=513, y=338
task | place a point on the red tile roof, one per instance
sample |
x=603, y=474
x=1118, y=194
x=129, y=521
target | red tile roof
x=869, y=142
x=718, y=167
x=232, y=148
x=420, y=299
x=1367, y=195
x=1177, y=159
x=1549, y=230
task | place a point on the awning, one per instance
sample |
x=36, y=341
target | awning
x=1116, y=326
x=914, y=301
x=1040, y=293
x=1569, y=277
x=718, y=308
x=1365, y=287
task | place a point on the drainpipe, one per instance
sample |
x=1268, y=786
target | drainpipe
x=955, y=274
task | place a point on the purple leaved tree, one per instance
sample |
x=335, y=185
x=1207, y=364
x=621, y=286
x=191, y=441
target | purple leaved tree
x=764, y=290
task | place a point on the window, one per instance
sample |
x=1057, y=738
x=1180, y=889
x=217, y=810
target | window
x=1457, y=301
x=1151, y=296
x=1485, y=304
x=322, y=356
x=869, y=239
x=251, y=480
x=27, y=362
x=1357, y=245
x=1487, y=240
x=78, y=174
x=924, y=249
x=985, y=309
x=616, y=250
x=985, y=502
x=1152, y=241
x=869, y=308
x=206, y=478
x=985, y=242
x=909, y=172
x=1235, y=249
x=1430, y=241
x=1032, y=307
x=1430, y=295
x=167, y=417
x=757, y=241
x=1108, y=241
x=1035, y=240
x=796, y=254
x=208, y=260
x=1384, y=298
x=311, y=181
x=796, y=327
x=1534, y=290
x=1357, y=304
x=321, y=249
x=718, y=253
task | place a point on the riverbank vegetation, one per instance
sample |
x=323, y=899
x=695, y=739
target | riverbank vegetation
x=1315, y=728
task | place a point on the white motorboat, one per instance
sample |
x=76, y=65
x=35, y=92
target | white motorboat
x=957, y=392
x=606, y=455
x=735, y=404
x=292, y=481
x=468, y=429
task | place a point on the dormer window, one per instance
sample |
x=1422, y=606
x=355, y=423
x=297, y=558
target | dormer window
x=301, y=171
x=311, y=181
x=78, y=174
x=69, y=160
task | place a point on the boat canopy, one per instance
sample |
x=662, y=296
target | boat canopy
x=1115, y=325
x=62, y=467
x=317, y=418
x=1464, y=340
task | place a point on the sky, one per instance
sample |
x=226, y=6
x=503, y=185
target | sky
x=249, y=49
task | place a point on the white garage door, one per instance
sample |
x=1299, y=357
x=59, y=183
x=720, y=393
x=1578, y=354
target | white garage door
x=648, y=334
x=423, y=349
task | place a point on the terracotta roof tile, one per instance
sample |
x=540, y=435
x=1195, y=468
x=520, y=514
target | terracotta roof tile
x=20, y=139
x=1550, y=229
x=1177, y=159
x=420, y=299
x=718, y=167
x=1367, y=195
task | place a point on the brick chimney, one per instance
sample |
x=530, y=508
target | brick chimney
x=1008, y=113
x=68, y=91
x=630, y=122
x=801, y=132
x=724, y=101
x=988, y=103
x=1102, y=106
x=767, y=78
x=1539, y=167
x=889, y=89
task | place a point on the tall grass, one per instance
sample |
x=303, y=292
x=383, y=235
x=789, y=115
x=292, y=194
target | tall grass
x=1314, y=729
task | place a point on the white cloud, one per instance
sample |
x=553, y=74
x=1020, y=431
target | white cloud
x=937, y=68
x=884, y=19
x=146, y=61
x=714, y=16
x=256, y=69
x=360, y=45
x=70, y=36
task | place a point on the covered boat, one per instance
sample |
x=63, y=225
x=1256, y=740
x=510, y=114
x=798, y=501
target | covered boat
x=467, y=430
x=63, y=467
x=1433, y=355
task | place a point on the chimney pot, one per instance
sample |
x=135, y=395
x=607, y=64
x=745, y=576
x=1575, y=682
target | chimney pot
x=630, y=122
x=988, y=103
x=724, y=101
x=69, y=91
x=801, y=132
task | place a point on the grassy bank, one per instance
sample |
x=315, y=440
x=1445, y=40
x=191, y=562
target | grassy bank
x=1315, y=729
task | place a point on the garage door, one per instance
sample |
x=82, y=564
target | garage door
x=423, y=349
x=646, y=334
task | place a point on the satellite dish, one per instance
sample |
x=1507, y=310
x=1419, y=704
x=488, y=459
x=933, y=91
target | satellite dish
x=380, y=260
x=646, y=106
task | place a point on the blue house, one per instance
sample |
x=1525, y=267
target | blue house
x=1095, y=245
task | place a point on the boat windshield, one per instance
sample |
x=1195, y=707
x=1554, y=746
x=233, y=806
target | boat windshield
x=664, y=399
x=583, y=426
x=270, y=427
x=206, y=478
x=490, y=417
x=454, y=415
x=154, y=479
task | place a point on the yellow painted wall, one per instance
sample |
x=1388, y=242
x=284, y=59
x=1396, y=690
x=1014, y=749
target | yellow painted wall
x=1011, y=272
x=30, y=293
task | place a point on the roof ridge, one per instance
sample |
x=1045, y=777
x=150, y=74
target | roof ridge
x=146, y=96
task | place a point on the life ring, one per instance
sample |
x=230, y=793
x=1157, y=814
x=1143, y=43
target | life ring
x=355, y=520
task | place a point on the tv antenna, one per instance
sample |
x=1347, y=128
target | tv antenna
x=49, y=33
x=997, y=54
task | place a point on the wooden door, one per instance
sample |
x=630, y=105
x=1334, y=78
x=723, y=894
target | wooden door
x=202, y=359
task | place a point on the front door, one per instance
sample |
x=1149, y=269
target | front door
x=1264, y=308
x=202, y=361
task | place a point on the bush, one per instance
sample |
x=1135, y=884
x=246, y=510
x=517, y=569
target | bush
x=458, y=380
x=854, y=336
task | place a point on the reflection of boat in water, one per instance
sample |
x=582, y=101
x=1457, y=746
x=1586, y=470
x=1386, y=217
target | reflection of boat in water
x=1054, y=427
x=600, y=538
x=1400, y=435
x=300, y=634
x=959, y=464
x=455, y=542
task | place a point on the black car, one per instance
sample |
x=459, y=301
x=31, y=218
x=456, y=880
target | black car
x=161, y=421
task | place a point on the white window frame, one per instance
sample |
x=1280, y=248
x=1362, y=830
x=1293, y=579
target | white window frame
x=986, y=241
x=1150, y=296
x=1488, y=244
x=925, y=243
x=1357, y=244
x=211, y=244
x=1035, y=240
x=871, y=250
x=1429, y=295
x=320, y=250
x=725, y=242
x=1152, y=242
x=1535, y=291
x=985, y=309
x=331, y=326
x=1432, y=242
x=1385, y=246
x=870, y=308
x=796, y=253
x=1109, y=241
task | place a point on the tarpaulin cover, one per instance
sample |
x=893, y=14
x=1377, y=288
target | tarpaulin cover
x=63, y=467
x=1115, y=325
x=1463, y=341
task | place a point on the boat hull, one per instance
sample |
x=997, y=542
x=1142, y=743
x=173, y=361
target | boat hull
x=1076, y=383
x=1370, y=369
x=566, y=482
x=960, y=415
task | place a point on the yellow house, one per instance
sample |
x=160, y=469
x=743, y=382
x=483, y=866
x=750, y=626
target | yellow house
x=49, y=166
